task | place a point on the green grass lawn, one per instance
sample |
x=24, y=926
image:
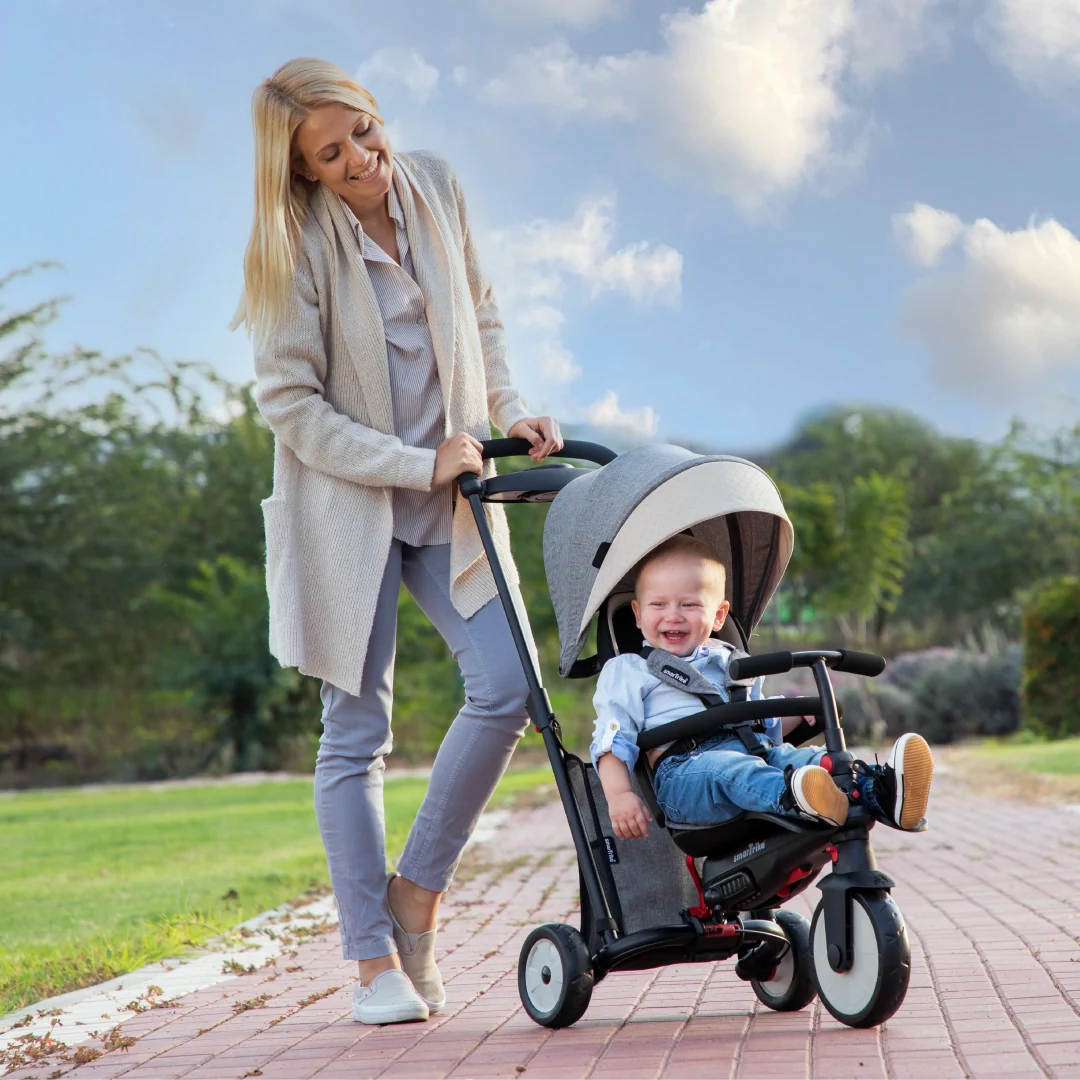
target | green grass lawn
x=97, y=883
x=1061, y=756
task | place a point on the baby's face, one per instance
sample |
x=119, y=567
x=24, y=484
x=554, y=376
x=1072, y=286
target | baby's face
x=679, y=603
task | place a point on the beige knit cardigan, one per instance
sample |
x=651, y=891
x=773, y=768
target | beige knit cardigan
x=323, y=385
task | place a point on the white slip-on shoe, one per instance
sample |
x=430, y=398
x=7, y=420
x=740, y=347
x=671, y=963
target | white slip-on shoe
x=417, y=955
x=390, y=999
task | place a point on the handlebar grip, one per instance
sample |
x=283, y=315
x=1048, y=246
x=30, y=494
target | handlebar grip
x=572, y=448
x=751, y=667
x=860, y=663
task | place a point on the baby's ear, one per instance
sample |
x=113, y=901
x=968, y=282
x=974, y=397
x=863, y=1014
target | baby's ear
x=636, y=609
x=721, y=616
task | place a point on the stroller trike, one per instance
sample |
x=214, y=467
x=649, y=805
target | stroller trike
x=716, y=892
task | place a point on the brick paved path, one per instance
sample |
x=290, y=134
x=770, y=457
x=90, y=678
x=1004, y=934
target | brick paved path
x=992, y=901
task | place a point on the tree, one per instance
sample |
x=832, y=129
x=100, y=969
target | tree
x=222, y=660
x=851, y=549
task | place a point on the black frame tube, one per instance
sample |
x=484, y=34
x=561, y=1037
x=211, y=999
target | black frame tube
x=540, y=712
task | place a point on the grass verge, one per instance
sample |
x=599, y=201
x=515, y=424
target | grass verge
x=98, y=883
x=1035, y=771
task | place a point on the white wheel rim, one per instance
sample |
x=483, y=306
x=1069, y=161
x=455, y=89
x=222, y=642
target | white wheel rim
x=783, y=976
x=848, y=992
x=544, y=993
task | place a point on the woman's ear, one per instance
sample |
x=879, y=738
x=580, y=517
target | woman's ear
x=721, y=615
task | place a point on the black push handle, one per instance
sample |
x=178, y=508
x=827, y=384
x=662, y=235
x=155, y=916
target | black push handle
x=572, y=448
x=849, y=660
x=710, y=721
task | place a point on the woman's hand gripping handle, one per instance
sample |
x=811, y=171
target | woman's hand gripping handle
x=457, y=454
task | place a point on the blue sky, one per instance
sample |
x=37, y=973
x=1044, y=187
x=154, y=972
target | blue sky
x=703, y=222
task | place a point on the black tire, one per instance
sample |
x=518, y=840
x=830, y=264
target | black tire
x=875, y=987
x=555, y=975
x=792, y=986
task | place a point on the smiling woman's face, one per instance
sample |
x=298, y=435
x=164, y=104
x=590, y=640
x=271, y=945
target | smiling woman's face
x=348, y=151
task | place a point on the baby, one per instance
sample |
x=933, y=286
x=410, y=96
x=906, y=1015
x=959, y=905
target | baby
x=679, y=604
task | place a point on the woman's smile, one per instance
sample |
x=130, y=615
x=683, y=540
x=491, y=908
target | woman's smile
x=368, y=173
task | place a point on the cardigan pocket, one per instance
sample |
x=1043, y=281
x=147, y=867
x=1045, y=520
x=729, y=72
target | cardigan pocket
x=281, y=572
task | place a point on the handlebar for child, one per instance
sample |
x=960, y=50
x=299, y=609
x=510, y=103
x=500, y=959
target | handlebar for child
x=572, y=448
x=776, y=663
x=710, y=721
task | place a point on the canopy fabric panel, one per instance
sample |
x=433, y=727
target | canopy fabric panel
x=603, y=523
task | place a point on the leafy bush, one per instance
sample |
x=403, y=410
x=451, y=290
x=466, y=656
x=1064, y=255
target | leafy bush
x=1051, y=683
x=944, y=694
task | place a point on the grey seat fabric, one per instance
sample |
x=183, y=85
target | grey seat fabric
x=650, y=884
x=717, y=839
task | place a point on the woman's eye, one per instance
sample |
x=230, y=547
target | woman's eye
x=330, y=157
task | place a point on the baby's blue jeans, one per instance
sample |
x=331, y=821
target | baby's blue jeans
x=720, y=778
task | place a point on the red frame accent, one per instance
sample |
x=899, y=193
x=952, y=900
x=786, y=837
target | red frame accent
x=702, y=911
x=833, y=853
x=797, y=874
x=723, y=930
x=826, y=763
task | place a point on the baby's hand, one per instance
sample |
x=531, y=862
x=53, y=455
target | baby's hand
x=630, y=817
x=790, y=723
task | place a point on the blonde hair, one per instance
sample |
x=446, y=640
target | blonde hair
x=279, y=106
x=685, y=545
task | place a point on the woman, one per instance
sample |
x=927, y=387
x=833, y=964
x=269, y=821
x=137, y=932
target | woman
x=379, y=360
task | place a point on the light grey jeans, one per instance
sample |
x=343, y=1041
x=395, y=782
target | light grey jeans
x=356, y=737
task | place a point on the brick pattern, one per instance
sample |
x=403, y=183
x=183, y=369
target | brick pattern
x=992, y=901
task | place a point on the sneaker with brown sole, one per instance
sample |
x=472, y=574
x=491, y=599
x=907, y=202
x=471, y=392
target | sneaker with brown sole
x=814, y=794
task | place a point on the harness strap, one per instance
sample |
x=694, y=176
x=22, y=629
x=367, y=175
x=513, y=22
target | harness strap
x=678, y=673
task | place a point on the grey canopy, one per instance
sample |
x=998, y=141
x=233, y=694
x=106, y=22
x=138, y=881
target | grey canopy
x=603, y=523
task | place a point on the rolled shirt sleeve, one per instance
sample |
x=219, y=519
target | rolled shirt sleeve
x=620, y=711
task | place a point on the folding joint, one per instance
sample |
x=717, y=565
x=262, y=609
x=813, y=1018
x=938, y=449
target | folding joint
x=538, y=706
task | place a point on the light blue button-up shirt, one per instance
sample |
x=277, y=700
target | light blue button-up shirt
x=630, y=699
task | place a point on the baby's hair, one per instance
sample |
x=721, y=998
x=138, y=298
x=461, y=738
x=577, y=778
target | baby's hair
x=684, y=544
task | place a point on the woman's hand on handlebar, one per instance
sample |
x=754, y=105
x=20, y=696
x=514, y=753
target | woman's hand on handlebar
x=457, y=454
x=542, y=432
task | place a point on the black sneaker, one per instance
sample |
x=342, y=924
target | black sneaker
x=812, y=793
x=902, y=784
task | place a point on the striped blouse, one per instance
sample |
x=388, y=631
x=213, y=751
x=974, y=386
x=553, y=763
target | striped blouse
x=421, y=518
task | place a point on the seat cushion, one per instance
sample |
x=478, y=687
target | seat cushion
x=741, y=830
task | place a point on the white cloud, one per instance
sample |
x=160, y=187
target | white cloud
x=535, y=267
x=637, y=424
x=575, y=13
x=1008, y=317
x=746, y=94
x=581, y=246
x=405, y=66
x=1038, y=40
x=925, y=233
